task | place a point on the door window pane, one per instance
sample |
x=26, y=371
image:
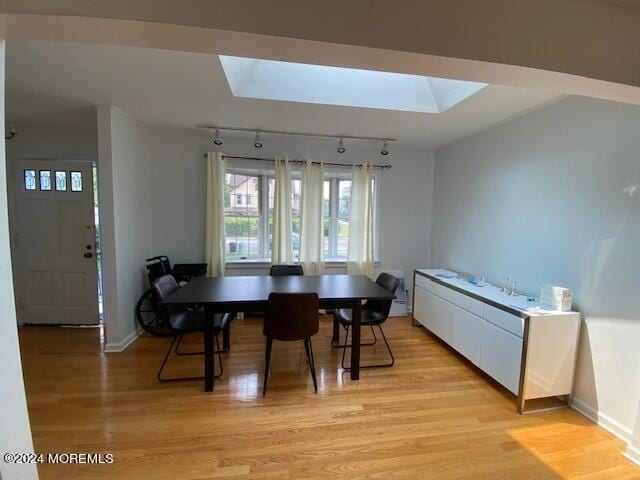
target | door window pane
x=29, y=179
x=45, y=180
x=76, y=181
x=61, y=181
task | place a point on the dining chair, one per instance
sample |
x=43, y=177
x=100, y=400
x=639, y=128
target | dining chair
x=291, y=317
x=285, y=270
x=184, y=321
x=373, y=313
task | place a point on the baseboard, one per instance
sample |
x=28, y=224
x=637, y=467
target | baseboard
x=603, y=420
x=122, y=345
x=633, y=454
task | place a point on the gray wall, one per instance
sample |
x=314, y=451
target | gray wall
x=554, y=196
x=125, y=203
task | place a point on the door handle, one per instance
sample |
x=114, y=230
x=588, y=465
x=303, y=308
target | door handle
x=88, y=255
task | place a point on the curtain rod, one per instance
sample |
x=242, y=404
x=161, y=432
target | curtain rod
x=299, y=162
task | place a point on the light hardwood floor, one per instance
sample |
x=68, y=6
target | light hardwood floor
x=431, y=416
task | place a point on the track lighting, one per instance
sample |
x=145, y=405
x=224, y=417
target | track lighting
x=341, y=148
x=217, y=139
x=257, y=142
x=385, y=148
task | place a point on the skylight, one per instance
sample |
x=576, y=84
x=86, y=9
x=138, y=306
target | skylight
x=351, y=87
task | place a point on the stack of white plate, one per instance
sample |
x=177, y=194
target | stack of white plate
x=556, y=298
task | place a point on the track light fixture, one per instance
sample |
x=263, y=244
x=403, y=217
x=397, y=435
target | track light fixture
x=341, y=148
x=385, y=148
x=217, y=140
x=257, y=142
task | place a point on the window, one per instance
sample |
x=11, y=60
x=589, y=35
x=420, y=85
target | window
x=61, y=181
x=45, y=180
x=242, y=219
x=351, y=87
x=29, y=179
x=248, y=210
x=76, y=181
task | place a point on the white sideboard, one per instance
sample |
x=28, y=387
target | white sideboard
x=532, y=354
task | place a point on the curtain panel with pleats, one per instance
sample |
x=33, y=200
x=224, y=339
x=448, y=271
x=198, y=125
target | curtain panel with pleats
x=281, y=248
x=214, y=236
x=360, y=259
x=312, y=225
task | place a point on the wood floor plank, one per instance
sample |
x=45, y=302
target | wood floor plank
x=432, y=415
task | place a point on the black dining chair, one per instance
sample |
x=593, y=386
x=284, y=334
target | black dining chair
x=184, y=321
x=285, y=270
x=291, y=317
x=373, y=313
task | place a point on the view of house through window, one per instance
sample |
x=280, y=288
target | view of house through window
x=248, y=210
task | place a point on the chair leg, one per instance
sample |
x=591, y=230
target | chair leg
x=378, y=365
x=185, y=354
x=308, y=348
x=267, y=360
x=366, y=344
x=313, y=366
x=164, y=362
x=219, y=352
x=344, y=348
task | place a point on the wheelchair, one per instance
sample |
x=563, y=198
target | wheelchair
x=149, y=313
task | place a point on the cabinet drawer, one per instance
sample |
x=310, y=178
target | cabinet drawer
x=502, y=319
x=501, y=356
x=423, y=282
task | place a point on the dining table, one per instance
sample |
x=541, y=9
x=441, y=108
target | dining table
x=233, y=294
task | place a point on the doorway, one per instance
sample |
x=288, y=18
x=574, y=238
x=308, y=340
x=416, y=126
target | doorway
x=55, y=243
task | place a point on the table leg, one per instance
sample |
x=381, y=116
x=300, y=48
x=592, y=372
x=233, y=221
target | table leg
x=355, y=341
x=208, y=349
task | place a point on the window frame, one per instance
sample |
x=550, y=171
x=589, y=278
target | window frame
x=331, y=175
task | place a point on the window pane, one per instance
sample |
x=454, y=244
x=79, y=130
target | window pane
x=61, y=181
x=76, y=181
x=295, y=217
x=326, y=204
x=344, y=202
x=242, y=216
x=45, y=180
x=29, y=179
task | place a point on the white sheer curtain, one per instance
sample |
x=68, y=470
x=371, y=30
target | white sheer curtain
x=281, y=237
x=360, y=255
x=312, y=228
x=214, y=239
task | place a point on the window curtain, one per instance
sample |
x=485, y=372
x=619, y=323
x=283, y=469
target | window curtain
x=360, y=254
x=312, y=227
x=281, y=251
x=214, y=241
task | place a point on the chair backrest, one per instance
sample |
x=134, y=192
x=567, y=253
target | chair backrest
x=291, y=316
x=285, y=270
x=164, y=286
x=390, y=283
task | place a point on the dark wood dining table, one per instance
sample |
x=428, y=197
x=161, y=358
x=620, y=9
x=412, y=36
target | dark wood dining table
x=251, y=294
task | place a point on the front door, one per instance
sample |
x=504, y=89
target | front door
x=54, y=238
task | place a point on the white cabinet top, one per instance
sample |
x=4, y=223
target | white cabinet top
x=490, y=294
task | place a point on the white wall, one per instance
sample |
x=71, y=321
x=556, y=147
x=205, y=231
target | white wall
x=15, y=432
x=177, y=178
x=554, y=196
x=125, y=201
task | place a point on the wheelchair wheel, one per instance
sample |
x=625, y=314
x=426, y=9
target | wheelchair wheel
x=148, y=314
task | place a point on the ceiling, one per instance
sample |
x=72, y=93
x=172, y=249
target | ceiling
x=53, y=84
